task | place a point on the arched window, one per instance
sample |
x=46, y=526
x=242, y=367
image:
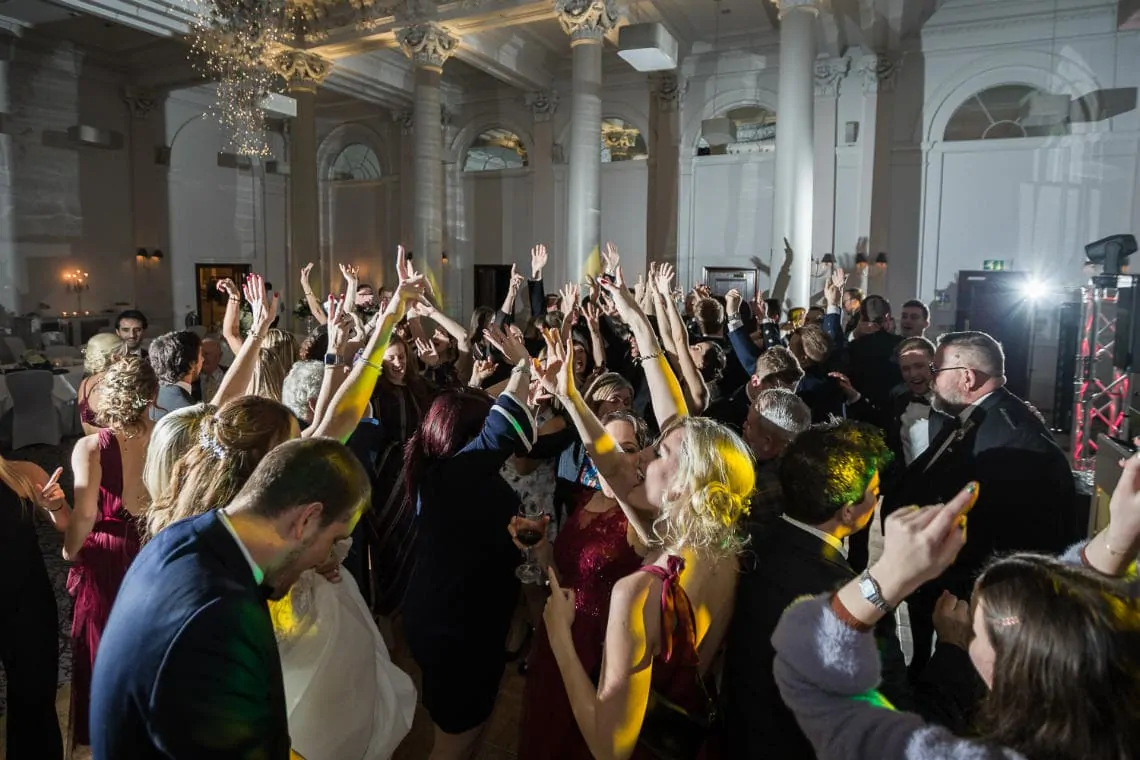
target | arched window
x=621, y=141
x=495, y=150
x=755, y=133
x=356, y=162
x=1003, y=112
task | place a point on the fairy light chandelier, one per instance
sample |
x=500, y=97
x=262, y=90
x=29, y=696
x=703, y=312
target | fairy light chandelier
x=231, y=42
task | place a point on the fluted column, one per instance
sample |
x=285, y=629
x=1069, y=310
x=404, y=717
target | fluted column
x=829, y=75
x=428, y=46
x=303, y=72
x=795, y=138
x=878, y=74
x=543, y=104
x=665, y=93
x=586, y=22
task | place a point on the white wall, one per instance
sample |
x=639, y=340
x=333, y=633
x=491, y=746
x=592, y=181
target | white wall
x=62, y=207
x=218, y=215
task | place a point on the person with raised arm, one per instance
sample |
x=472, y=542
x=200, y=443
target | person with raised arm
x=1054, y=640
x=667, y=620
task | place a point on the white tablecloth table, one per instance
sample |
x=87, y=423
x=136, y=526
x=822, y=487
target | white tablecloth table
x=64, y=394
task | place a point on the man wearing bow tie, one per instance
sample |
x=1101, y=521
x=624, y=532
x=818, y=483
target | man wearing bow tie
x=980, y=431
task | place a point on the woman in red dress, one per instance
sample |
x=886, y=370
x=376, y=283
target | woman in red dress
x=594, y=550
x=102, y=537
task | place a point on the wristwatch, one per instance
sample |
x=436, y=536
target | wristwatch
x=872, y=592
x=333, y=360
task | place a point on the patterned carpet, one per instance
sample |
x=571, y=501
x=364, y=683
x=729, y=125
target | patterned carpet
x=51, y=543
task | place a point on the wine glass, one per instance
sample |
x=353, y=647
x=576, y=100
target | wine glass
x=530, y=531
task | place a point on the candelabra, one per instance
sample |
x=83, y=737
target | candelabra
x=76, y=282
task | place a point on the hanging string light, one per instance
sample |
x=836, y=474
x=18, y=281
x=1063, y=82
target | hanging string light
x=231, y=42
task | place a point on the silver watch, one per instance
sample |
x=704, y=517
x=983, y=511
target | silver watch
x=872, y=592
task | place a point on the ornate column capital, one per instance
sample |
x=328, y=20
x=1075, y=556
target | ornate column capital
x=543, y=104
x=879, y=72
x=427, y=45
x=302, y=70
x=667, y=90
x=828, y=74
x=141, y=103
x=586, y=20
x=814, y=7
x=406, y=119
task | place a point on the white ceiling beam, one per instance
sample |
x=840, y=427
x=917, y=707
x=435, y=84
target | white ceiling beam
x=378, y=77
x=510, y=58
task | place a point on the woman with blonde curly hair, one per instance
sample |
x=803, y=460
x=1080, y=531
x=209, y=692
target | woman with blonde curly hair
x=695, y=486
x=103, y=535
x=97, y=356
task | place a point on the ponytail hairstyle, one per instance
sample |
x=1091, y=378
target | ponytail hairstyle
x=229, y=444
x=454, y=418
x=19, y=484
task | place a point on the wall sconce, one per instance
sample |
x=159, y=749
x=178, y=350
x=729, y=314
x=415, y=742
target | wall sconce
x=861, y=261
x=76, y=282
x=881, y=261
x=828, y=258
x=444, y=258
x=822, y=266
x=142, y=255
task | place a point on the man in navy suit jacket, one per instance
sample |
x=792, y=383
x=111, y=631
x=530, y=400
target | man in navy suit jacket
x=188, y=664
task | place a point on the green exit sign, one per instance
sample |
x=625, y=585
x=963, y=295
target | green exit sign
x=993, y=265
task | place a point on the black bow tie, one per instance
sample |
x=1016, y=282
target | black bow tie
x=266, y=591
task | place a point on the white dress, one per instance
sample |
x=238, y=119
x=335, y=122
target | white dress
x=346, y=699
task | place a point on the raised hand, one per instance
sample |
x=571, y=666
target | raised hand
x=761, y=306
x=848, y=389
x=227, y=286
x=517, y=279
x=557, y=373
x=339, y=325
x=350, y=272
x=49, y=495
x=305, y=271
x=537, y=261
x=508, y=345
x=610, y=257
x=1124, y=508
x=732, y=301
x=833, y=288
x=920, y=543
x=592, y=315
x=481, y=369
x=952, y=620
x=403, y=268
x=569, y=298
x=664, y=281
x=427, y=352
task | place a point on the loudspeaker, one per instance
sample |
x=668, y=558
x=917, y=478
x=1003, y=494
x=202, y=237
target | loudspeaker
x=996, y=303
x=1068, y=344
x=1126, y=341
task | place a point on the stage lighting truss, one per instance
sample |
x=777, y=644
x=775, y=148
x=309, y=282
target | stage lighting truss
x=1100, y=398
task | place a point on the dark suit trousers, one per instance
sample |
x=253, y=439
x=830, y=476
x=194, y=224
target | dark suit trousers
x=920, y=606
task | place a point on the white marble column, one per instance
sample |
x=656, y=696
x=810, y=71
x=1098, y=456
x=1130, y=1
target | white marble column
x=665, y=94
x=304, y=72
x=405, y=119
x=428, y=46
x=878, y=74
x=543, y=105
x=586, y=22
x=828, y=76
x=795, y=144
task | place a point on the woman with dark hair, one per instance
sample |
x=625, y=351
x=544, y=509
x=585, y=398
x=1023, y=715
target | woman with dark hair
x=29, y=623
x=463, y=590
x=1056, y=641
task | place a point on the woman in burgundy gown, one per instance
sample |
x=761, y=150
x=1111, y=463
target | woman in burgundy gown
x=697, y=479
x=103, y=535
x=594, y=550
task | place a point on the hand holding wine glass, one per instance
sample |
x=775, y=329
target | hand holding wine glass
x=528, y=530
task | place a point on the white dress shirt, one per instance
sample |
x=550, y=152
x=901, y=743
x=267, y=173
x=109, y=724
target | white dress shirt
x=836, y=543
x=914, y=430
x=258, y=573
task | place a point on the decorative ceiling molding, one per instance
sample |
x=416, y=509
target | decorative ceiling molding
x=301, y=68
x=828, y=74
x=586, y=21
x=543, y=104
x=428, y=46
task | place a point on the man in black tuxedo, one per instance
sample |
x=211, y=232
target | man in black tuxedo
x=872, y=355
x=177, y=360
x=188, y=665
x=829, y=476
x=980, y=431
